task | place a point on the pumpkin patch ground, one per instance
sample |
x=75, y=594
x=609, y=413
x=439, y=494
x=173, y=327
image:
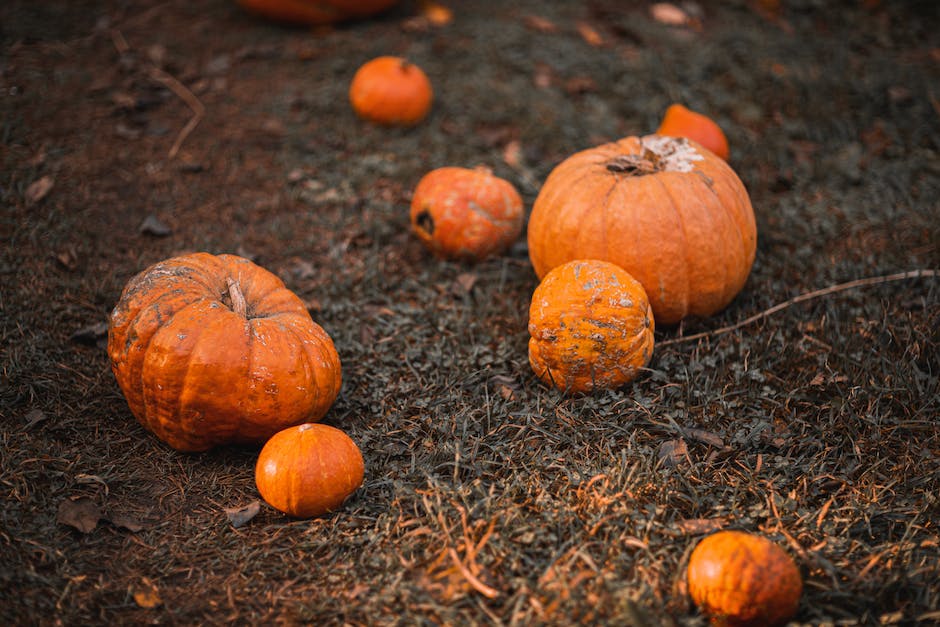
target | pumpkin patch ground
x=806, y=411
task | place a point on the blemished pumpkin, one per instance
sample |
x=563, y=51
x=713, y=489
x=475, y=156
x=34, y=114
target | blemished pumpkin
x=740, y=579
x=314, y=12
x=673, y=215
x=466, y=213
x=590, y=327
x=308, y=470
x=211, y=350
x=391, y=91
x=680, y=121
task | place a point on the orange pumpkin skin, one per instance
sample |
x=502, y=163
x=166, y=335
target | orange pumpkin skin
x=308, y=470
x=682, y=122
x=670, y=213
x=590, y=326
x=211, y=350
x=313, y=12
x=391, y=91
x=466, y=214
x=743, y=580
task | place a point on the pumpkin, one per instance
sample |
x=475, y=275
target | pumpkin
x=308, y=470
x=682, y=122
x=211, y=350
x=664, y=209
x=391, y=91
x=590, y=327
x=740, y=579
x=466, y=214
x=313, y=12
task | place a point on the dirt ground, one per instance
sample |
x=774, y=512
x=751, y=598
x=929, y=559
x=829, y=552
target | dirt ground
x=488, y=498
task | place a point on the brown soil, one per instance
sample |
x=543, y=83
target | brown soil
x=488, y=498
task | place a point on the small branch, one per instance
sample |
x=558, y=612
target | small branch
x=186, y=96
x=832, y=289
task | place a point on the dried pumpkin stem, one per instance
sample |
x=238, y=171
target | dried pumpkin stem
x=636, y=165
x=239, y=304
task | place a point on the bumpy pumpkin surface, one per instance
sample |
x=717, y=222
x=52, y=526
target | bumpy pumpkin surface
x=316, y=11
x=743, y=580
x=308, y=470
x=391, y=91
x=463, y=213
x=590, y=326
x=680, y=121
x=211, y=350
x=672, y=214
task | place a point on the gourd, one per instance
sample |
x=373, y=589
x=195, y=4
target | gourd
x=212, y=350
x=313, y=12
x=669, y=212
x=391, y=91
x=680, y=121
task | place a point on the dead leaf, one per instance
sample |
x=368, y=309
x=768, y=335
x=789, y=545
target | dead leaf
x=82, y=514
x=540, y=24
x=146, y=594
x=38, y=190
x=512, y=153
x=589, y=34
x=125, y=522
x=90, y=335
x=465, y=282
x=705, y=437
x=242, y=515
x=152, y=225
x=33, y=418
x=669, y=14
x=697, y=526
x=672, y=452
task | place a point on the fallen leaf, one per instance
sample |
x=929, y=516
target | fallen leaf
x=465, y=282
x=242, y=515
x=590, y=35
x=669, y=14
x=705, y=437
x=152, y=225
x=672, y=452
x=91, y=334
x=697, y=526
x=34, y=417
x=38, y=189
x=146, y=594
x=125, y=522
x=540, y=24
x=512, y=153
x=82, y=514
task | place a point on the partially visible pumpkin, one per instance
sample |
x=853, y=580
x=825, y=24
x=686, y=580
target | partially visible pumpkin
x=314, y=12
x=591, y=327
x=308, y=470
x=670, y=213
x=391, y=91
x=466, y=214
x=743, y=580
x=680, y=121
x=211, y=350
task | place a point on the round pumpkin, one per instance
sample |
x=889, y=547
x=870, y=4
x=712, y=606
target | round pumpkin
x=743, y=580
x=591, y=327
x=669, y=212
x=308, y=470
x=211, y=350
x=312, y=12
x=680, y=121
x=466, y=214
x=391, y=91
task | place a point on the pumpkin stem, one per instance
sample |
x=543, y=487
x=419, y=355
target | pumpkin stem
x=238, y=303
x=637, y=165
x=425, y=222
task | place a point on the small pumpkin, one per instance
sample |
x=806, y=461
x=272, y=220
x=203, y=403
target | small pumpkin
x=741, y=579
x=211, y=350
x=591, y=327
x=669, y=212
x=314, y=12
x=466, y=214
x=308, y=470
x=391, y=91
x=680, y=121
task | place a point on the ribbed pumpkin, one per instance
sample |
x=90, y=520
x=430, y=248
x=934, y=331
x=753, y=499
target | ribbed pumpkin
x=308, y=470
x=466, y=214
x=743, y=580
x=591, y=327
x=672, y=214
x=315, y=11
x=211, y=350
x=391, y=91
x=679, y=121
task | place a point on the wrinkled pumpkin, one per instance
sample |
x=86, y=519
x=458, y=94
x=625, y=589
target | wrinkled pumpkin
x=313, y=12
x=590, y=327
x=308, y=470
x=391, y=91
x=672, y=214
x=466, y=214
x=211, y=350
x=680, y=121
x=743, y=580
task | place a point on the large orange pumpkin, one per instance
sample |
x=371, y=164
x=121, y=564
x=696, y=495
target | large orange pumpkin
x=743, y=580
x=590, y=327
x=308, y=470
x=391, y=91
x=211, y=350
x=669, y=212
x=315, y=11
x=467, y=214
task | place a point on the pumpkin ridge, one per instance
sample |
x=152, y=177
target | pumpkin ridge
x=684, y=247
